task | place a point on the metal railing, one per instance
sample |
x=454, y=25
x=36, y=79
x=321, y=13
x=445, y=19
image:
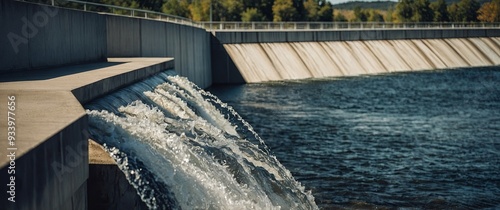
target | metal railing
x=214, y=26
x=118, y=10
x=338, y=25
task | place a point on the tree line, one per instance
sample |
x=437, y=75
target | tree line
x=318, y=10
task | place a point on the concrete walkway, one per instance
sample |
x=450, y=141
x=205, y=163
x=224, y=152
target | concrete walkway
x=45, y=103
x=50, y=150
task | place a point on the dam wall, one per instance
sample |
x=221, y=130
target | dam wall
x=39, y=36
x=136, y=37
x=36, y=36
x=259, y=56
x=300, y=60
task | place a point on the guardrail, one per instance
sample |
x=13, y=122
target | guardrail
x=213, y=26
x=112, y=9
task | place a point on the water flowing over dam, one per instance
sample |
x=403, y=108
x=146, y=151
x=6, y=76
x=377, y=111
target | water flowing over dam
x=182, y=148
x=261, y=62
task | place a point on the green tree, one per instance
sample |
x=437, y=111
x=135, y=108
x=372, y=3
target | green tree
x=454, y=13
x=375, y=16
x=265, y=7
x=388, y=16
x=360, y=15
x=339, y=17
x=489, y=12
x=229, y=10
x=404, y=11
x=312, y=8
x=468, y=10
x=200, y=10
x=440, y=10
x=251, y=14
x=464, y=11
x=301, y=11
x=421, y=11
x=325, y=12
x=176, y=7
x=283, y=10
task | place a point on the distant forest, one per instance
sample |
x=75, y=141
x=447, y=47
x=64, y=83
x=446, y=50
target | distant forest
x=322, y=10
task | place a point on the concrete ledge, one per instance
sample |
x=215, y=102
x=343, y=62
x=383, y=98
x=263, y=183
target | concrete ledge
x=108, y=187
x=264, y=36
x=51, y=146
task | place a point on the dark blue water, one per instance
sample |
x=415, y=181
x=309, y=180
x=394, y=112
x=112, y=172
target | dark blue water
x=428, y=140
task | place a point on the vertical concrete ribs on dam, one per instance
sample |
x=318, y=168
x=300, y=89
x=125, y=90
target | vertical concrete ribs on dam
x=262, y=62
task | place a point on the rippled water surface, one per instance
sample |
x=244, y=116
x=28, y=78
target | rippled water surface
x=421, y=140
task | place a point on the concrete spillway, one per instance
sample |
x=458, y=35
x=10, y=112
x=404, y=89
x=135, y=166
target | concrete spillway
x=261, y=62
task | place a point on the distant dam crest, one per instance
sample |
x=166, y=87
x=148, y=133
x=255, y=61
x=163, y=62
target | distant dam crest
x=262, y=62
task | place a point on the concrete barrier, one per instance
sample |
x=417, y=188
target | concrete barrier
x=240, y=37
x=224, y=71
x=137, y=37
x=37, y=36
x=108, y=187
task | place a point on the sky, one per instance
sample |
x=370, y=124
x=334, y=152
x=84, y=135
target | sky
x=343, y=1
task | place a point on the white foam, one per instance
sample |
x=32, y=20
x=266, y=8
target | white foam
x=191, y=147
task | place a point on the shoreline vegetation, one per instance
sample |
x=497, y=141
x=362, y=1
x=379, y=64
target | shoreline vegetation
x=321, y=10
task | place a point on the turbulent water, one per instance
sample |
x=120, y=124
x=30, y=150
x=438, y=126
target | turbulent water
x=182, y=148
x=428, y=140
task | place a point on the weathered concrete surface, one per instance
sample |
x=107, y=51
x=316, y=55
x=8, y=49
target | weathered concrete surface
x=38, y=36
x=98, y=156
x=108, y=187
x=51, y=156
x=137, y=37
x=225, y=71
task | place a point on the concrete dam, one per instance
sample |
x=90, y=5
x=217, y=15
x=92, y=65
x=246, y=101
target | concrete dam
x=259, y=56
x=262, y=62
x=55, y=60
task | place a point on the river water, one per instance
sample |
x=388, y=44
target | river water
x=426, y=140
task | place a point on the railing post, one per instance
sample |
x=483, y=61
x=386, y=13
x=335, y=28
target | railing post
x=84, y=7
x=253, y=25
